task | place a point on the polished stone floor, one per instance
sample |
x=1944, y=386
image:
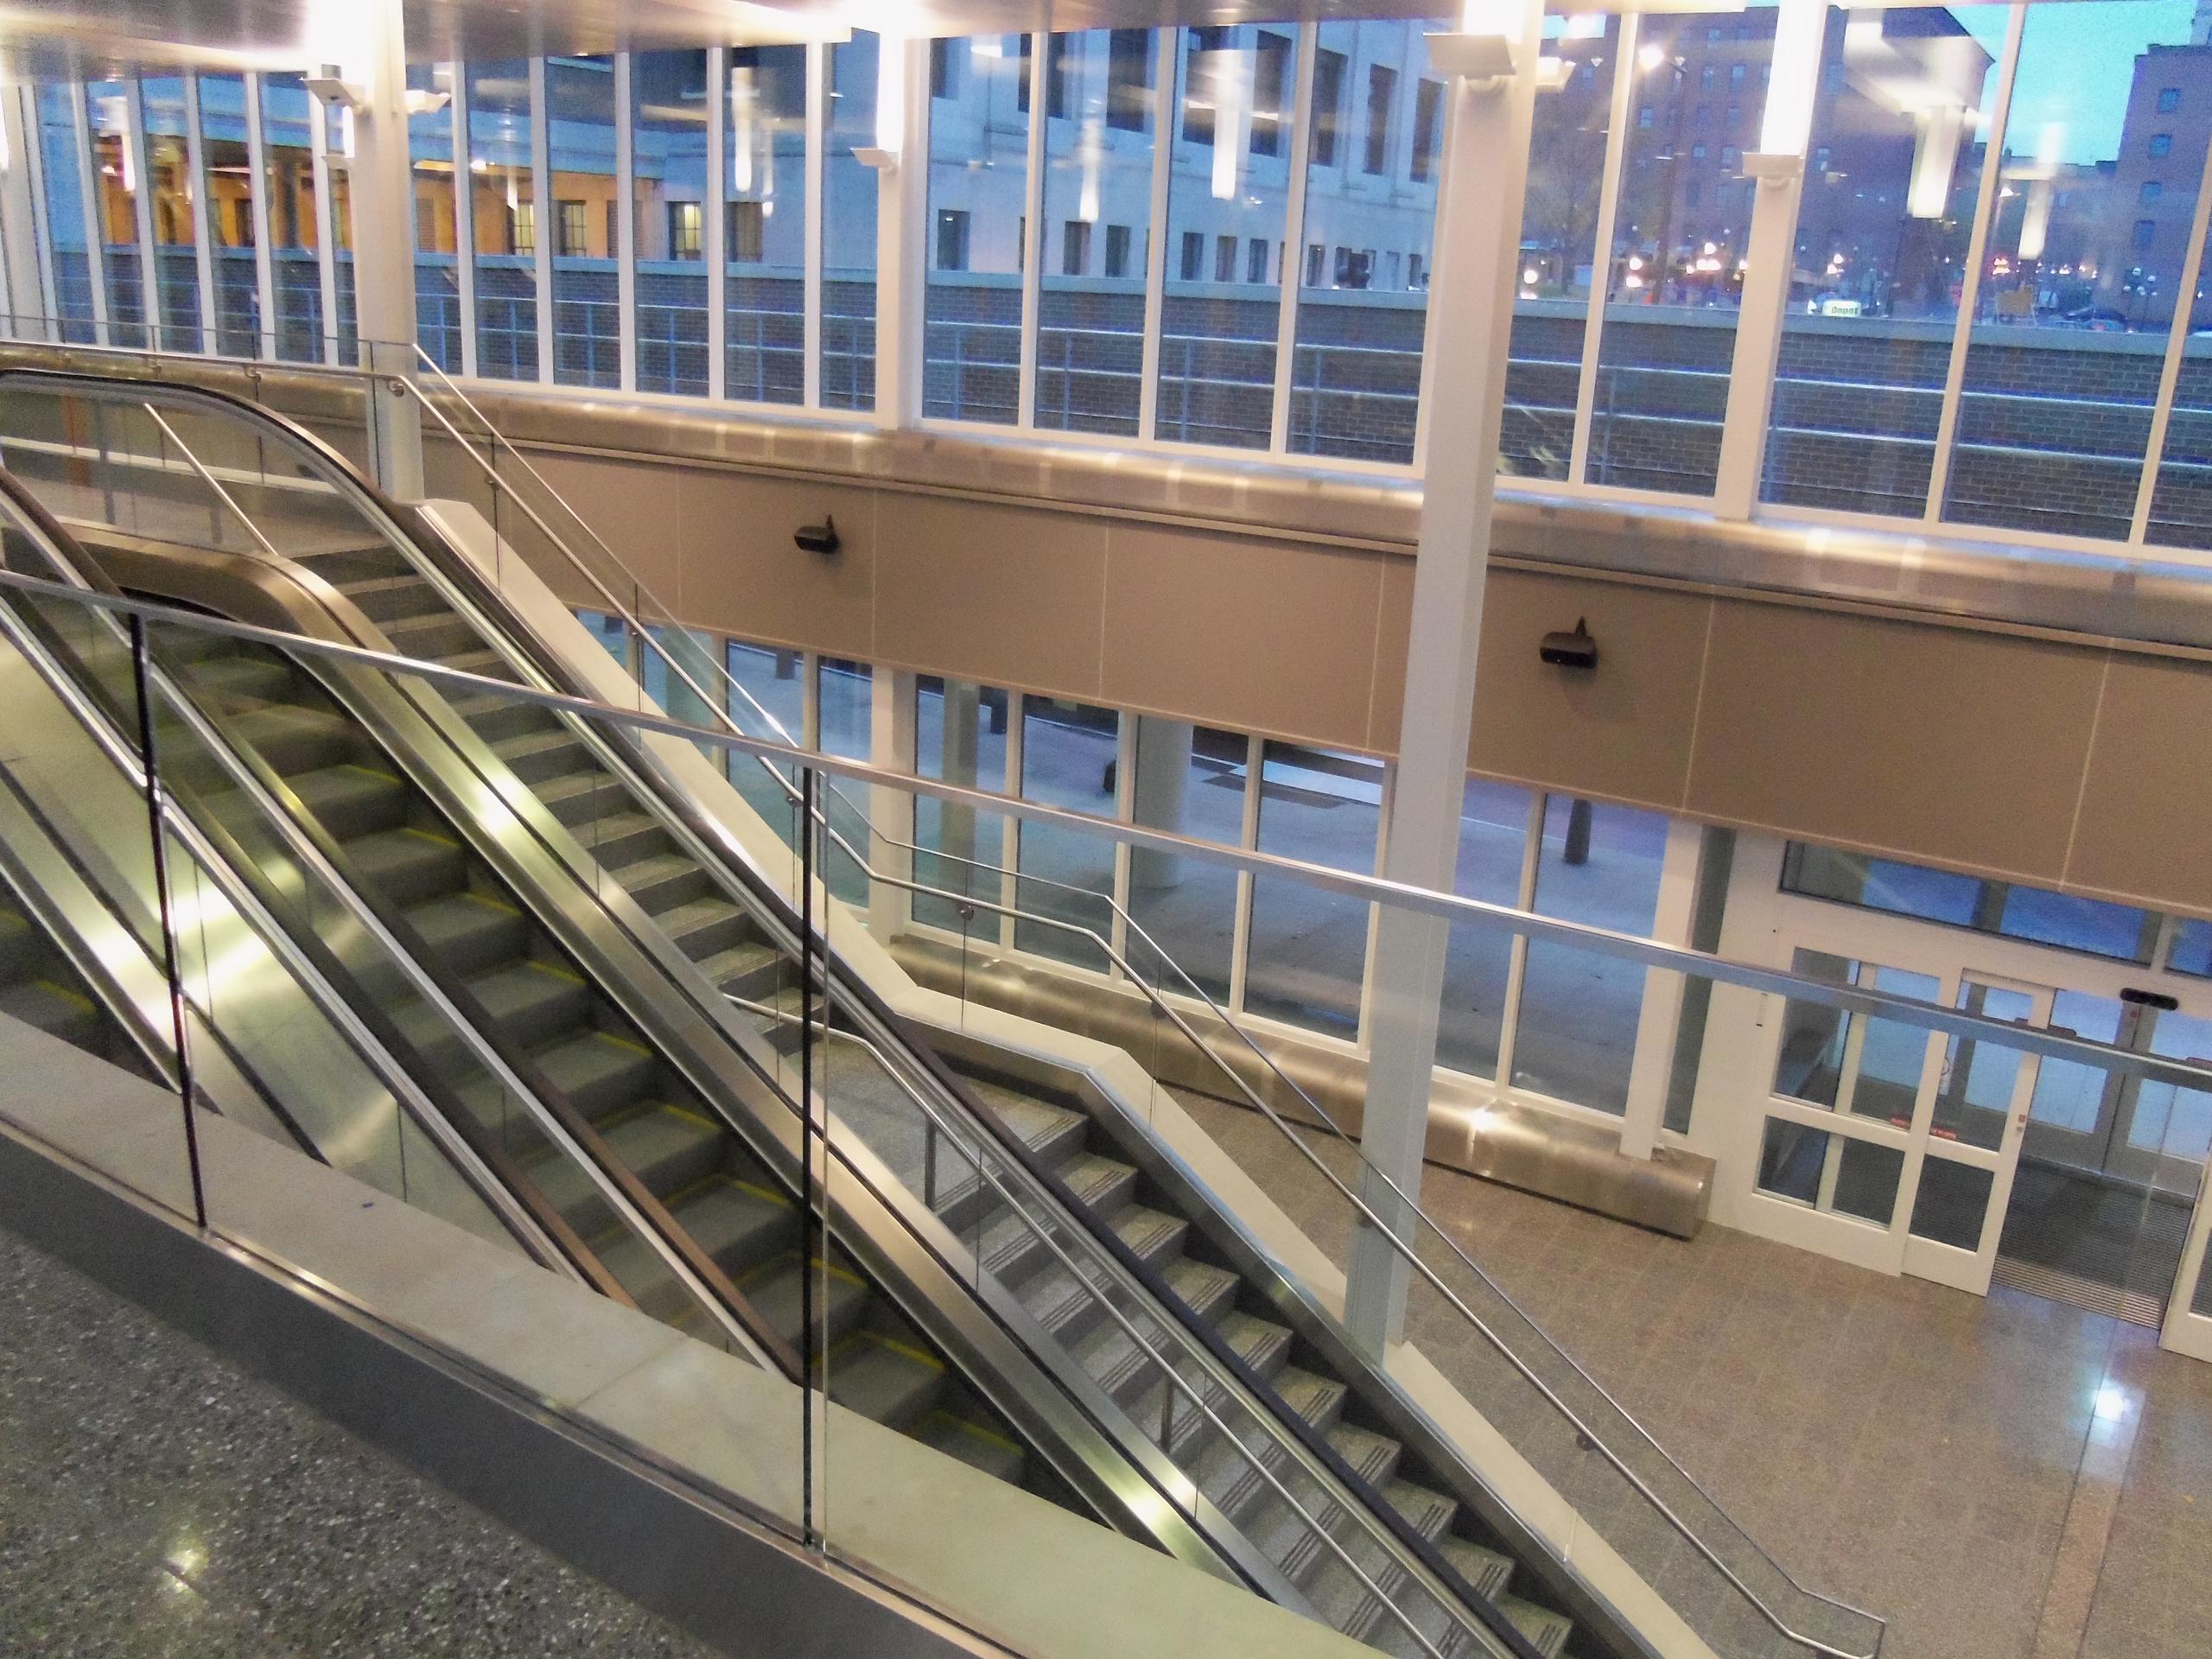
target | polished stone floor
x=155, y=1501
x=2001, y=1477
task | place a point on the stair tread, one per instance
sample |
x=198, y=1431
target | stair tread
x=1485, y=1570
x=1547, y=1631
x=972, y=1444
x=886, y=1382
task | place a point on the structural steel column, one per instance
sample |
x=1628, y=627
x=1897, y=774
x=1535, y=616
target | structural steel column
x=383, y=249
x=1470, y=317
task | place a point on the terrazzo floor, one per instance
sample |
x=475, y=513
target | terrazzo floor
x=155, y=1501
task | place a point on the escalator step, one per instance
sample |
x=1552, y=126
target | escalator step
x=598, y=1071
x=388, y=598
x=774, y=1289
x=433, y=638
x=647, y=1275
x=1485, y=1571
x=1316, y=1398
x=293, y=740
x=974, y=1444
x=408, y=865
x=470, y=932
x=241, y=679
x=488, y=662
x=55, y=1009
x=561, y=775
x=493, y=716
x=886, y=1382
x=1546, y=1630
x=352, y=799
x=623, y=842
x=22, y=946
x=735, y=1222
x=669, y=1151
x=533, y=1000
x=1373, y=1457
x=1426, y=1511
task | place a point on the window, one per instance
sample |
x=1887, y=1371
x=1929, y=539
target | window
x=1117, y=249
x=2146, y=233
x=686, y=228
x=1691, y=194
x=1328, y=106
x=1708, y=77
x=747, y=231
x=1353, y=267
x=1255, y=260
x=1129, y=81
x=1224, y=259
x=945, y=55
x=960, y=737
x=1014, y=49
x=1063, y=73
x=2162, y=145
x=1735, y=116
x=1194, y=253
x=1315, y=257
x=1191, y=780
x=1428, y=129
x=1075, y=247
x=2169, y=99
x=1202, y=78
x=846, y=355
x=1643, y=117
x=570, y=236
x=1381, y=90
x=951, y=239
x=522, y=228
x=1736, y=72
x=1270, y=93
x=1697, y=152
x=1832, y=75
x=1308, y=950
x=1068, y=756
x=1416, y=271
x=502, y=179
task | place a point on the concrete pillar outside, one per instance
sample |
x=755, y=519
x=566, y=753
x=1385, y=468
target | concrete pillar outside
x=383, y=247
x=1163, y=775
x=1469, y=316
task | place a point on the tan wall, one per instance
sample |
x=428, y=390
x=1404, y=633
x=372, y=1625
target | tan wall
x=2062, y=761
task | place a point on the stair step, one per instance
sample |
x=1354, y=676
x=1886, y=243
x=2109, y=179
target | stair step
x=1373, y=1457
x=55, y=1009
x=531, y=1002
x=468, y=932
x=702, y=926
x=889, y=1383
x=744, y=970
x=1486, y=1571
x=1317, y=1399
x=1118, y=1364
x=434, y=637
x=598, y=1071
x=488, y=662
x=737, y=1223
x=22, y=946
x=622, y=843
x=391, y=599
x=973, y=1444
x=664, y=883
x=1547, y=1632
x=773, y=1290
x=545, y=757
x=352, y=799
x=408, y=866
x=291, y=740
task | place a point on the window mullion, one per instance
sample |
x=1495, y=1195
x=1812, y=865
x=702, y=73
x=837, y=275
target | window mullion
x=464, y=221
x=817, y=179
x=29, y=120
x=203, y=232
x=1609, y=204
x=2178, y=333
x=1166, y=60
x=1516, y=962
x=88, y=193
x=265, y=259
x=716, y=229
x=134, y=139
x=325, y=244
x=626, y=222
x=540, y=241
x=1293, y=261
x=1032, y=231
x=1984, y=215
x=1248, y=837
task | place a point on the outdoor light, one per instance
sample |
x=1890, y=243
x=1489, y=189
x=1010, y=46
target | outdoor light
x=1650, y=56
x=1483, y=49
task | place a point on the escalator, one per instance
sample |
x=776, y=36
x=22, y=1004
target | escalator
x=40, y=986
x=637, y=1055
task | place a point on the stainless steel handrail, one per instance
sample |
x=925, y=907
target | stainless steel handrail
x=986, y=1170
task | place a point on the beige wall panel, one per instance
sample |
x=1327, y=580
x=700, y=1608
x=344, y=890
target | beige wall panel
x=2146, y=826
x=1003, y=595
x=1622, y=730
x=743, y=575
x=1265, y=636
x=635, y=510
x=1962, y=749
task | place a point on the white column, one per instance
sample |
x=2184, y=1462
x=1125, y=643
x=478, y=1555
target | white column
x=714, y=227
x=890, y=811
x=382, y=194
x=264, y=270
x=134, y=145
x=817, y=185
x=627, y=250
x=902, y=159
x=1778, y=166
x=1470, y=317
x=19, y=264
x=1651, y=1066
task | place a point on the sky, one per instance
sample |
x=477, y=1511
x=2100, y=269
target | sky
x=2077, y=59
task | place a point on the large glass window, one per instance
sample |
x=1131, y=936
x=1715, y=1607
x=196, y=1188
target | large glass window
x=1227, y=192
x=503, y=205
x=1678, y=256
x=1068, y=754
x=437, y=283
x=583, y=221
x=1306, y=955
x=1477, y=967
x=668, y=164
x=229, y=210
x=288, y=152
x=1893, y=178
x=764, y=178
x=168, y=176
x=1363, y=307
x=66, y=227
x=1191, y=780
x=1559, y=238
x=1575, y=1033
x=2081, y=276
x=979, y=170
x=1097, y=205
x=848, y=214
x=115, y=182
x=767, y=700
x=960, y=737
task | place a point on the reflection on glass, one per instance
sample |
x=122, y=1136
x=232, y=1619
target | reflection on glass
x=1068, y=754
x=1809, y=1057
x=668, y=164
x=1493, y=835
x=844, y=716
x=2191, y=952
x=1866, y=1181
x=1558, y=241
x=1894, y=1054
x=1370, y=223
x=2081, y=274
x=1226, y=207
x=979, y=169
x=1974, y=1095
x=168, y=173
x=960, y=732
x=437, y=282
x=503, y=203
x=1575, y=1033
x=1679, y=253
x=582, y=222
x=1830, y=1172
x=1792, y=1158
x=847, y=712
x=115, y=181
x=287, y=139
x=764, y=233
x=768, y=702
x=65, y=215
x=2073, y=1096
x=1951, y=1203
x=1098, y=149
x=1190, y=779
x=1307, y=951
x=848, y=211
x=1892, y=176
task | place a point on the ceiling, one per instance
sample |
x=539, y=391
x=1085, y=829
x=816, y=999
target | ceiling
x=53, y=36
